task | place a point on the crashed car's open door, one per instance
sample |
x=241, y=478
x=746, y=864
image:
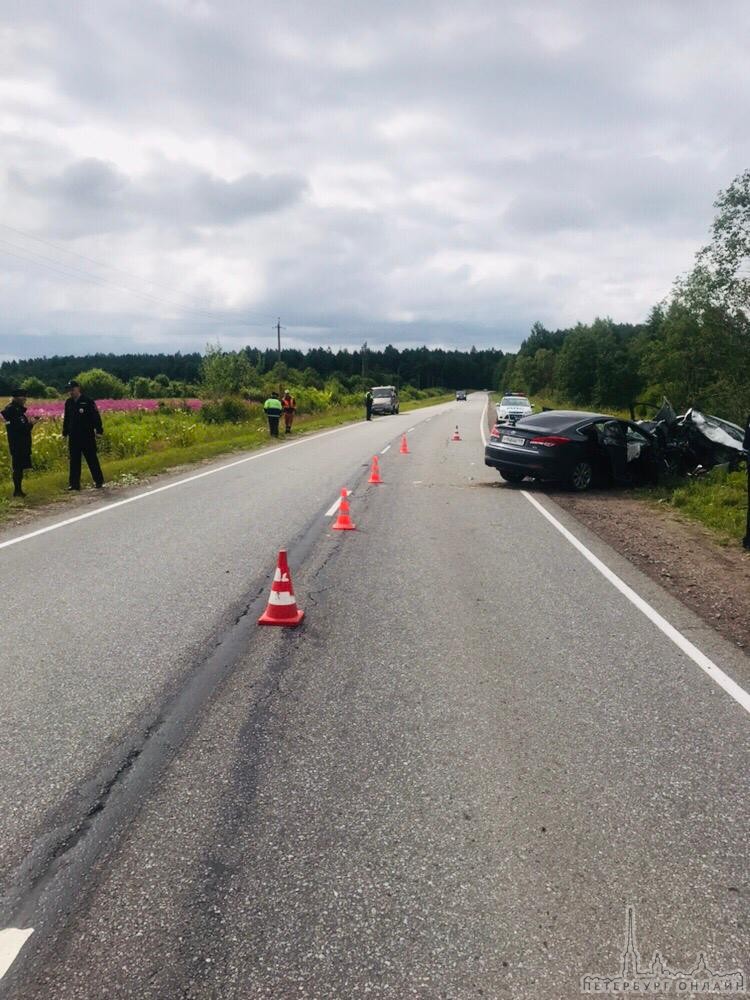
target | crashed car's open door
x=632, y=455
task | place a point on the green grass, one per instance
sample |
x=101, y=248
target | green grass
x=717, y=500
x=139, y=445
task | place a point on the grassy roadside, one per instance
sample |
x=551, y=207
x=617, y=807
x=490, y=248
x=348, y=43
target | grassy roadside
x=50, y=487
x=717, y=500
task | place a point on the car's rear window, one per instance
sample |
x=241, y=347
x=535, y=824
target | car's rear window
x=555, y=420
x=514, y=401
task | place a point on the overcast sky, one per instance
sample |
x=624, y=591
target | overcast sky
x=439, y=172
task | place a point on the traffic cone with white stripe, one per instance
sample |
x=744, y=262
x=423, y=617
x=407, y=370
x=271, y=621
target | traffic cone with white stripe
x=456, y=435
x=404, y=449
x=282, y=605
x=343, y=521
x=375, y=471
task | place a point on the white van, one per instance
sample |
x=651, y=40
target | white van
x=384, y=399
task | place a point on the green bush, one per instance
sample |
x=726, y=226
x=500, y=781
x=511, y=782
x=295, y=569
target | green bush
x=34, y=387
x=229, y=410
x=101, y=385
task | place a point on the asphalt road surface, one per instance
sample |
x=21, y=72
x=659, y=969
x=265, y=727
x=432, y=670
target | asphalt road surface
x=450, y=781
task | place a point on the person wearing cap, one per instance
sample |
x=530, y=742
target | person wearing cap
x=81, y=424
x=18, y=425
x=289, y=405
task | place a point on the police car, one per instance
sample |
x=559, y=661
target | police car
x=512, y=407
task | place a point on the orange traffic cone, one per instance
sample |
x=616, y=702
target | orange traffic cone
x=282, y=605
x=456, y=435
x=375, y=471
x=343, y=521
x=404, y=449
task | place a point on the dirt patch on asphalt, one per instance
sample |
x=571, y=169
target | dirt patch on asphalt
x=685, y=558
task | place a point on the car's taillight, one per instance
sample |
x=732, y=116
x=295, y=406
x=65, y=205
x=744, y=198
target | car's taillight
x=551, y=441
x=495, y=432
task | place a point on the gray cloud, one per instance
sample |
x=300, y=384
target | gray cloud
x=401, y=170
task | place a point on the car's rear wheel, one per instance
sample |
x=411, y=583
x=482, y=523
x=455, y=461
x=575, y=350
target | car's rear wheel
x=511, y=477
x=581, y=476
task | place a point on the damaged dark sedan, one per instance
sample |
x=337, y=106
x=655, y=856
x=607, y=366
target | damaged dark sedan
x=695, y=442
x=575, y=448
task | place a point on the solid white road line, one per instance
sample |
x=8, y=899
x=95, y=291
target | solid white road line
x=12, y=939
x=385, y=449
x=335, y=506
x=171, y=486
x=700, y=659
x=692, y=652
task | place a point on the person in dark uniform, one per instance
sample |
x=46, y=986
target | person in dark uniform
x=368, y=404
x=18, y=425
x=81, y=424
x=746, y=446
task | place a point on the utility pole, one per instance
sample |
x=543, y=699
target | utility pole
x=364, y=359
x=278, y=351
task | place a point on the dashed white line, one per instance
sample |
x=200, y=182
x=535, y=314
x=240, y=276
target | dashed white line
x=335, y=506
x=385, y=449
x=12, y=939
x=410, y=430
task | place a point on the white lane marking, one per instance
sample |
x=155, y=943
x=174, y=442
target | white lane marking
x=700, y=659
x=410, y=430
x=335, y=506
x=483, y=422
x=385, y=449
x=12, y=939
x=170, y=486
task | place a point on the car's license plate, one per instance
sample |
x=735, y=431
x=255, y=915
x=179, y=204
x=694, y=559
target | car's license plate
x=513, y=439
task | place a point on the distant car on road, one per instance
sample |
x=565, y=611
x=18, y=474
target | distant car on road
x=461, y=395
x=575, y=448
x=513, y=407
x=384, y=399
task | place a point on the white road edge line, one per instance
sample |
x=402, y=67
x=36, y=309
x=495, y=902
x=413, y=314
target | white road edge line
x=700, y=659
x=335, y=506
x=692, y=652
x=12, y=939
x=265, y=453
x=410, y=430
x=385, y=449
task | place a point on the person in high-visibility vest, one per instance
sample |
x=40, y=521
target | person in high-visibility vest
x=368, y=404
x=273, y=408
x=746, y=446
x=289, y=405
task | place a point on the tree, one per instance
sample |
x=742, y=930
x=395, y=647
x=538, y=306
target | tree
x=101, y=385
x=34, y=387
x=226, y=373
x=577, y=366
x=722, y=272
x=141, y=387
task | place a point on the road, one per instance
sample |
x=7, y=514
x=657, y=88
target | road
x=449, y=782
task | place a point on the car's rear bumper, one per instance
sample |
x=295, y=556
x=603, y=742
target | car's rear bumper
x=530, y=463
